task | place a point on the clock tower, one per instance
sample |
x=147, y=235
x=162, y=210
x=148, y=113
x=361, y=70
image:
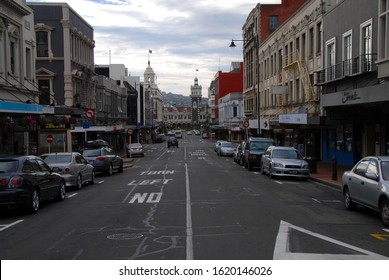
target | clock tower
x=195, y=95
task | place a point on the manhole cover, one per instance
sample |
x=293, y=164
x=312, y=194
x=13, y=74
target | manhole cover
x=124, y=236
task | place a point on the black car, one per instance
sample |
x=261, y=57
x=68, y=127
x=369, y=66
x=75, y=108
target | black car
x=172, y=141
x=26, y=181
x=104, y=160
x=253, y=150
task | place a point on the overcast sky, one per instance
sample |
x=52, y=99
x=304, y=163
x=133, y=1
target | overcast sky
x=183, y=35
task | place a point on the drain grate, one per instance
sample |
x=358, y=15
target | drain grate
x=124, y=236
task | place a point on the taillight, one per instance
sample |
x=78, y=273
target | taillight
x=101, y=158
x=15, y=182
x=3, y=182
x=67, y=169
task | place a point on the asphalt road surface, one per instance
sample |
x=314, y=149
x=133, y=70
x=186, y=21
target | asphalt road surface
x=188, y=203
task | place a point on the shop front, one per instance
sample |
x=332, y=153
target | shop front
x=356, y=124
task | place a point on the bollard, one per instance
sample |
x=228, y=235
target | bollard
x=334, y=168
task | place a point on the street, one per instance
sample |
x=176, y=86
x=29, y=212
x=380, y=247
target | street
x=188, y=203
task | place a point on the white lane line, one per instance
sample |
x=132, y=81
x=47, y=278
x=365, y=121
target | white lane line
x=316, y=200
x=3, y=227
x=385, y=229
x=71, y=195
x=189, y=230
x=278, y=182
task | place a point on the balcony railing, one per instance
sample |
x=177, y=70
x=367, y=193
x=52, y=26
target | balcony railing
x=358, y=65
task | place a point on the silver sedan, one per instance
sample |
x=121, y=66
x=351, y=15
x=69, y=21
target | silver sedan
x=284, y=161
x=72, y=166
x=367, y=184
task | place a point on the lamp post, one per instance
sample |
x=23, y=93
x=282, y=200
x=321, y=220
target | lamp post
x=254, y=39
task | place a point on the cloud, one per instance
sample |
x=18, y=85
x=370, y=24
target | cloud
x=184, y=36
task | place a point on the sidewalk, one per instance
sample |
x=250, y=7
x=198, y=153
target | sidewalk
x=324, y=174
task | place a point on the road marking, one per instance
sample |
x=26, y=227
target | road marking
x=385, y=229
x=71, y=195
x=282, y=247
x=101, y=182
x=151, y=198
x=316, y=200
x=3, y=227
x=278, y=182
x=380, y=236
x=189, y=229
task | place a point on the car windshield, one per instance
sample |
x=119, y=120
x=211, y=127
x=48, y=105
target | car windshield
x=227, y=145
x=385, y=170
x=257, y=145
x=91, y=153
x=57, y=158
x=8, y=166
x=288, y=154
x=137, y=145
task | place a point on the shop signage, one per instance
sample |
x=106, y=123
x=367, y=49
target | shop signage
x=293, y=118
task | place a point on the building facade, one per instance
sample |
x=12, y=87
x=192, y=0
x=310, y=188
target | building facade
x=288, y=59
x=20, y=110
x=353, y=82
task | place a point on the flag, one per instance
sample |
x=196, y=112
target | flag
x=150, y=51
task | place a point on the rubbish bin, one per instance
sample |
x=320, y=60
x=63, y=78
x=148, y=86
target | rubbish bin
x=312, y=164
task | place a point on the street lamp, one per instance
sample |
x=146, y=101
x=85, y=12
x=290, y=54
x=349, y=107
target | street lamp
x=256, y=81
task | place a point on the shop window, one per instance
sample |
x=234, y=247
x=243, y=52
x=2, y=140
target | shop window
x=344, y=139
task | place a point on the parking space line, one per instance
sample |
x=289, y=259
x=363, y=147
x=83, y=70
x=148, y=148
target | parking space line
x=3, y=227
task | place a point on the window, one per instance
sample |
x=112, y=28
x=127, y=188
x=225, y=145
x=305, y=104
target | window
x=235, y=111
x=44, y=88
x=12, y=54
x=28, y=64
x=347, y=53
x=273, y=23
x=318, y=38
x=42, y=44
x=311, y=42
x=367, y=45
x=330, y=61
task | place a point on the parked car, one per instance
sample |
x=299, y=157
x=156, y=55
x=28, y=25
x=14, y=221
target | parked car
x=72, y=166
x=171, y=133
x=205, y=135
x=189, y=132
x=135, y=150
x=160, y=138
x=284, y=161
x=196, y=132
x=217, y=144
x=95, y=144
x=253, y=150
x=367, y=184
x=25, y=181
x=226, y=149
x=178, y=134
x=172, y=141
x=104, y=160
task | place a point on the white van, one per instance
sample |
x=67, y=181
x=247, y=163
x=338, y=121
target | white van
x=178, y=134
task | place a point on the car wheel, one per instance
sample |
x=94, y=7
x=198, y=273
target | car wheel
x=120, y=170
x=384, y=211
x=34, y=202
x=271, y=176
x=92, y=179
x=348, y=202
x=262, y=170
x=110, y=170
x=79, y=182
x=62, y=192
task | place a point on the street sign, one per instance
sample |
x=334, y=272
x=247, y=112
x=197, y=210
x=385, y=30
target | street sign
x=130, y=131
x=90, y=113
x=246, y=124
x=85, y=124
x=49, y=138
